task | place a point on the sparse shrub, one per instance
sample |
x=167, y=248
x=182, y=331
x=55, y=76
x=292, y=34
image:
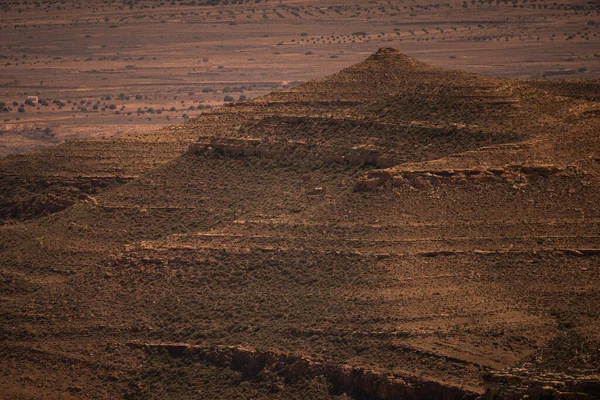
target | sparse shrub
x=242, y=98
x=228, y=98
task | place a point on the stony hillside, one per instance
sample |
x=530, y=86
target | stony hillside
x=392, y=231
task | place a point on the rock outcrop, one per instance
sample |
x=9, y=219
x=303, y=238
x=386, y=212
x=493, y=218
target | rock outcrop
x=294, y=150
x=521, y=383
x=343, y=378
x=517, y=175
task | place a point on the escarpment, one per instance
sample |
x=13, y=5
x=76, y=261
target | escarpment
x=287, y=367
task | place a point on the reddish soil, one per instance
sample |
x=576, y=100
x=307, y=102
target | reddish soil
x=393, y=230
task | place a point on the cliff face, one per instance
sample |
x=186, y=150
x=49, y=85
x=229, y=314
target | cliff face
x=514, y=383
x=359, y=382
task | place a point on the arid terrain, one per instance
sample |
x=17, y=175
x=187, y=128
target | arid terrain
x=416, y=222
x=100, y=68
x=394, y=230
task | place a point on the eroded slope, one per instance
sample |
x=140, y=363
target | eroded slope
x=370, y=234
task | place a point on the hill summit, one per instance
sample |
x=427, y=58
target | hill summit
x=397, y=61
x=395, y=230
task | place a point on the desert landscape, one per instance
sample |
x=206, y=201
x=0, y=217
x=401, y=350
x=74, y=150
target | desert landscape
x=382, y=200
x=98, y=69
